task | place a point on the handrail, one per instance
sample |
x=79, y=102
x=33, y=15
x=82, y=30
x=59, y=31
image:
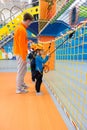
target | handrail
x=15, y=13
x=4, y=9
x=6, y=40
x=4, y=17
x=31, y=3
x=1, y=11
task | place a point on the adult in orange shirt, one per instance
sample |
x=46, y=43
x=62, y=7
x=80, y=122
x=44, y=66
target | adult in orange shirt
x=20, y=48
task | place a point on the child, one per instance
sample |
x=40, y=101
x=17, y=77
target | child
x=32, y=56
x=39, y=61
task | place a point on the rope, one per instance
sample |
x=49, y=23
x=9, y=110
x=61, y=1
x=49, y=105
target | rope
x=67, y=33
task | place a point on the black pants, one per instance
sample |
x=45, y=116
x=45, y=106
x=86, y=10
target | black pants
x=33, y=74
x=38, y=80
x=33, y=71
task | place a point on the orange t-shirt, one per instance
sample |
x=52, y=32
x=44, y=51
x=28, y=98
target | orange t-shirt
x=20, y=46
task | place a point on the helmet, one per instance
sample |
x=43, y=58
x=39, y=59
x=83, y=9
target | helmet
x=39, y=46
x=33, y=46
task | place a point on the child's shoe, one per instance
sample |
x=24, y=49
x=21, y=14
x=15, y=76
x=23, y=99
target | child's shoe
x=39, y=93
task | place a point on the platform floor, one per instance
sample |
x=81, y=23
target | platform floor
x=26, y=111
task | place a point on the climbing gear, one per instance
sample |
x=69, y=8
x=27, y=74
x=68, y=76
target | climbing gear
x=48, y=48
x=46, y=67
x=69, y=37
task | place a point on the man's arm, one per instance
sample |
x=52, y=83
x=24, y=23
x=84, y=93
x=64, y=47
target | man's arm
x=23, y=45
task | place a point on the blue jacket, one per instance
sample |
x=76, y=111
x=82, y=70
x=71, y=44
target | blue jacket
x=40, y=61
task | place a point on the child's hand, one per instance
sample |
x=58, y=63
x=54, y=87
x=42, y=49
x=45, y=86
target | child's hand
x=48, y=55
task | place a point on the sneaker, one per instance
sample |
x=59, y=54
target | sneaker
x=39, y=93
x=21, y=91
x=25, y=86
